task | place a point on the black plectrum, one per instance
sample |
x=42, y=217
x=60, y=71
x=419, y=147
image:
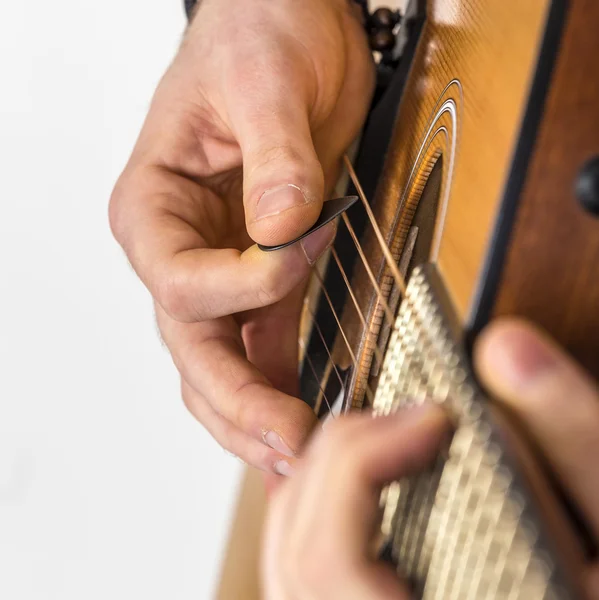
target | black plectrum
x=330, y=210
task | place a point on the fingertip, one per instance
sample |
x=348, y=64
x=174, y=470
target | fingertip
x=289, y=427
x=429, y=423
x=428, y=416
x=299, y=426
x=510, y=352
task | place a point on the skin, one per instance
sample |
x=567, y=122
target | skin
x=261, y=96
x=267, y=96
x=321, y=520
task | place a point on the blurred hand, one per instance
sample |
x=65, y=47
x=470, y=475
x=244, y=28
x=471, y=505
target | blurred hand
x=242, y=143
x=320, y=523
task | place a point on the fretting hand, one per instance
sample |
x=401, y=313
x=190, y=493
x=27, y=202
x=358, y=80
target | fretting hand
x=243, y=141
x=321, y=520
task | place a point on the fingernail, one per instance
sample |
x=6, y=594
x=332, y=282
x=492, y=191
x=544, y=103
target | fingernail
x=282, y=467
x=275, y=441
x=316, y=243
x=278, y=199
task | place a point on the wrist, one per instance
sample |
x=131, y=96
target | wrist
x=191, y=7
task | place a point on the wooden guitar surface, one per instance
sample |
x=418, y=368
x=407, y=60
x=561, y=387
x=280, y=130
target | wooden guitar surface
x=503, y=96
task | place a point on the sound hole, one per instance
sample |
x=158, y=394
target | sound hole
x=323, y=380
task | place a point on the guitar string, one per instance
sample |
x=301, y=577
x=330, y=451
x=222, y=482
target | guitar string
x=320, y=334
x=349, y=288
x=399, y=278
x=369, y=272
x=331, y=306
x=400, y=282
x=354, y=299
x=322, y=285
x=380, y=297
x=377, y=351
x=317, y=379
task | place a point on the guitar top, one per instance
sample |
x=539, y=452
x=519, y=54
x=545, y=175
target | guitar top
x=478, y=175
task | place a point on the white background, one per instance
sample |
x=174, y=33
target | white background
x=108, y=488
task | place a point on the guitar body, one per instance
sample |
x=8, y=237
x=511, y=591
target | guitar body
x=492, y=93
x=497, y=113
x=507, y=93
x=470, y=162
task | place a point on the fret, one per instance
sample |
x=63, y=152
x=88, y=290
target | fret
x=467, y=528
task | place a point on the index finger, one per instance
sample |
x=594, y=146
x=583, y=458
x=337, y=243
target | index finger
x=360, y=457
x=337, y=495
x=169, y=227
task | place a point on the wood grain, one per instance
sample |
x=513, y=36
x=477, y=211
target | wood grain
x=240, y=576
x=551, y=274
x=465, y=99
x=489, y=50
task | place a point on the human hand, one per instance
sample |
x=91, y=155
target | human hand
x=557, y=403
x=320, y=522
x=242, y=142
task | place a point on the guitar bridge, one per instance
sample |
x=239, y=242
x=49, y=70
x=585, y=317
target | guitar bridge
x=474, y=525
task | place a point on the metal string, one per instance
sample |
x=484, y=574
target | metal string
x=371, y=276
x=320, y=334
x=331, y=306
x=311, y=365
x=354, y=299
x=398, y=277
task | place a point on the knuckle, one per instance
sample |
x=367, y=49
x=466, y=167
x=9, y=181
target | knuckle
x=280, y=153
x=298, y=161
x=244, y=404
x=173, y=297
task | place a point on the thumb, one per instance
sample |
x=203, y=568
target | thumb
x=283, y=183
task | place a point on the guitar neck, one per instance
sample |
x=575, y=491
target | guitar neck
x=484, y=502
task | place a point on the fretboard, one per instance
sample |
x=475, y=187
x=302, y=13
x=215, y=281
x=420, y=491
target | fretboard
x=470, y=527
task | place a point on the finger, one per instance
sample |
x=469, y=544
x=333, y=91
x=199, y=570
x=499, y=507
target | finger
x=211, y=358
x=556, y=401
x=592, y=582
x=361, y=456
x=168, y=227
x=268, y=98
x=270, y=336
x=234, y=440
x=337, y=510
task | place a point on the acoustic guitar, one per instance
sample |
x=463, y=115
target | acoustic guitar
x=478, y=179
